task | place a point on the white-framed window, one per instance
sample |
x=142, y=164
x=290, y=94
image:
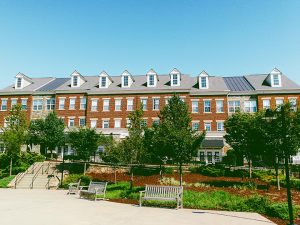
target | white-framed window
x=118, y=103
x=61, y=104
x=220, y=106
x=155, y=122
x=38, y=104
x=293, y=103
x=129, y=104
x=278, y=102
x=105, y=124
x=220, y=126
x=207, y=106
x=266, y=104
x=128, y=123
x=24, y=103
x=217, y=156
x=144, y=103
x=250, y=106
x=276, y=81
x=50, y=104
x=94, y=105
x=203, y=82
x=14, y=102
x=4, y=104
x=75, y=81
x=19, y=82
x=234, y=106
x=175, y=79
x=167, y=100
x=72, y=103
x=117, y=123
x=195, y=107
x=93, y=123
x=207, y=126
x=195, y=126
x=71, y=122
x=126, y=81
x=82, y=103
x=103, y=81
x=82, y=122
x=202, y=156
x=151, y=80
x=144, y=122
x=155, y=103
x=105, y=104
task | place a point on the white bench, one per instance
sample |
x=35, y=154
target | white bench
x=164, y=193
x=74, y=187
x=94, y=189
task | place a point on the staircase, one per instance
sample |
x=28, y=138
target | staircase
x=40, y=175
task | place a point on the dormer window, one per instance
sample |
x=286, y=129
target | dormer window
x=203, y=80
x=151, y=80
x=75, y=81
x=175, y=77
x=103, y=81
x=19, y=82
x=22, y=81
x=276, y=80
x=125, y=81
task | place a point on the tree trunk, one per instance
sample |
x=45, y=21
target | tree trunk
x=115, y=171
x=10, y=167
x=160, y=172
x=180, y=172
x=277, y=174
x=84, y=168
x=131, y=178
x=288, y=189
x=250, y=168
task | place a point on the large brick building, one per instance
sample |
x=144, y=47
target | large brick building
x=104, y=102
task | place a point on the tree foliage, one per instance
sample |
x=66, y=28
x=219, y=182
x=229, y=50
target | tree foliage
x=85, y=142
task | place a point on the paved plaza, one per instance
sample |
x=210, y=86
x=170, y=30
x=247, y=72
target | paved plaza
x=44, y=207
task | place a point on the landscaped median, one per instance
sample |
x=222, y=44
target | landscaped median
x=215, y=199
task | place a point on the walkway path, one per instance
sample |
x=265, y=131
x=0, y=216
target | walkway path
x=46, y=207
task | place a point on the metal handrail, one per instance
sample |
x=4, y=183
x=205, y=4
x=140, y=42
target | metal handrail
x=35, y=176
x=53, y=174
x=48, y=167
x=21, y=175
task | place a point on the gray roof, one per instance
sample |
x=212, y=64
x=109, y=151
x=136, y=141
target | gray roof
x=259, y=83
x=53, y=85
x=249, y=84
x=139, y=85
x=36, y=84
x=212, y=143
x=238, y=84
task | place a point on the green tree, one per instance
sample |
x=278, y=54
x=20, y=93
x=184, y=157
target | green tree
x=15, y=133
x=36, y=133
x=245, y=136
x=132, y=149
x=176, y=137
x=285, y=124
x=85, y=142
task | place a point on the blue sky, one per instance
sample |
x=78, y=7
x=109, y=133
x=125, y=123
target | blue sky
x=226, y=38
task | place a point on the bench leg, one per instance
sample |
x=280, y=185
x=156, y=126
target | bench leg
x=140, y=202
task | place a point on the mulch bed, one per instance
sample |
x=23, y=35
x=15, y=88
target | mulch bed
x=270, y=191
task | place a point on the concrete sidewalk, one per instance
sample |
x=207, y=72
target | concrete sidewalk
x=46, y=207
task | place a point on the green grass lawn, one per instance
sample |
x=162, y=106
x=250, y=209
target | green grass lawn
x=5, y=181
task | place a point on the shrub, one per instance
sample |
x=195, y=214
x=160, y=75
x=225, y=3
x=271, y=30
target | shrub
x=5, y=181
x=257, y=203
x=73, y=178
x=280, y=210
x=211, y=171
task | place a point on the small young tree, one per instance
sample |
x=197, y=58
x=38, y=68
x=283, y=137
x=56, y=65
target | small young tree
x=53, y=132
x=15, y=133
x=176, y=136
x=85, y=142
x=132, y=149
